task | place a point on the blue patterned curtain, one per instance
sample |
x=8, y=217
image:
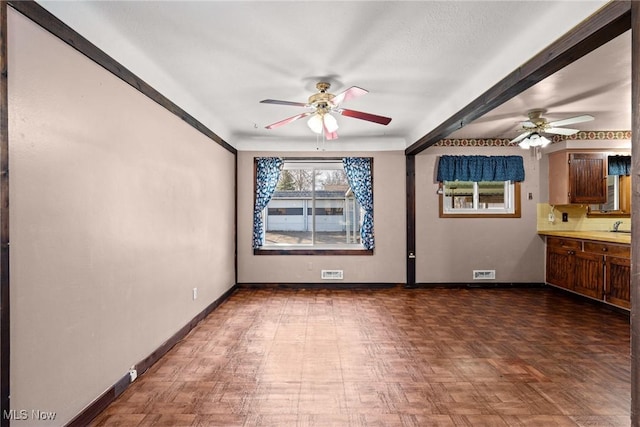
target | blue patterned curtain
x=267, y=175
x=480, y=168
x=358, y=171
x=619, y=165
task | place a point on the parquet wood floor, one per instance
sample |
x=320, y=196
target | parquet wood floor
x=392, y=357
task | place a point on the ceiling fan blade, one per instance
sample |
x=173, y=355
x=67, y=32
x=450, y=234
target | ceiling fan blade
x=561, y=131
x=571, y=120
x=364, y=116
x=520, y=137
x=275, y=101
x=352, y=92
x=288, y=120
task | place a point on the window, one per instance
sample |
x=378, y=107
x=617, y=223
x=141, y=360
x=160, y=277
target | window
x=618, y=188
x=613, y=195
x=313, y=208
x=484, y=198
x=483, y=186
x=618, y=197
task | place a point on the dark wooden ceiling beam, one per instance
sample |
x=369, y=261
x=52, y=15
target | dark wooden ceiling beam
x=603, y=26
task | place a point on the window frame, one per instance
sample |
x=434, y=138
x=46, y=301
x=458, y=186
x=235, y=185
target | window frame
x=476, y=213
x=622, y=199
x=309, y=250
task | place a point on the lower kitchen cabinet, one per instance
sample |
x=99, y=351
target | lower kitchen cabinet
x=588, y=274
x=595, y=269
x=560, y=261
x=618, y=275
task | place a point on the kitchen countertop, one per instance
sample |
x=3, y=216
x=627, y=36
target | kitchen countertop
x=600, y=236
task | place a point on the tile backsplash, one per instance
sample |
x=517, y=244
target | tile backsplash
x=577, y=219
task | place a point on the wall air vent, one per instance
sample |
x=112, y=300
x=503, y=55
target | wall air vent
x=484, y=274
x=331, y=274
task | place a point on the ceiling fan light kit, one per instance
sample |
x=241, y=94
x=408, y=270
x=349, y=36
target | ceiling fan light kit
x=534, y=140
x=318, y=123
x=315, y=123
x=532, y=129
x=330, y=123
x=322, y=104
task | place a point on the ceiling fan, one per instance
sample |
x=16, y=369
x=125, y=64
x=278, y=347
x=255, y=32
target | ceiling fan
x=533, y=128
x=321, y=105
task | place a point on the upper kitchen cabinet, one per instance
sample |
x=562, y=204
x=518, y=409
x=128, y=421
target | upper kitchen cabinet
x=577, y=178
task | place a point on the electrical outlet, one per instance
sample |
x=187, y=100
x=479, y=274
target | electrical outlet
x=551, y=217
x=195, y=294
x=565, y=217
x=133, y=374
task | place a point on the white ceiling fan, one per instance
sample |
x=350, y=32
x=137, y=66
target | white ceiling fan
x=533, y=129
x=321, y=105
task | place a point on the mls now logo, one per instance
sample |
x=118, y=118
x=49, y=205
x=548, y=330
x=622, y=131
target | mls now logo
x=23, y=414
x=15, y=414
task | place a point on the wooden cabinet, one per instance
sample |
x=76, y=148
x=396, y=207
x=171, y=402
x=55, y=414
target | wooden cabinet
x=560, y=261
x=610, y=249
x=617, y=281
x=577, y=177
x=588, y=274
x=595, y=269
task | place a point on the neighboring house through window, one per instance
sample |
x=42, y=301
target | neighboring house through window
x=313, y=206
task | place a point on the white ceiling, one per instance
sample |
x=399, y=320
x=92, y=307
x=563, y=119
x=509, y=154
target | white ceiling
x=422, y=61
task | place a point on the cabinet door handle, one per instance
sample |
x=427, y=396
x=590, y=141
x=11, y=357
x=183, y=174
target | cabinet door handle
x=605, y=249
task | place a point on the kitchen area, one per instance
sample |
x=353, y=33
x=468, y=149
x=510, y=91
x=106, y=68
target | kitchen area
x=586, y=224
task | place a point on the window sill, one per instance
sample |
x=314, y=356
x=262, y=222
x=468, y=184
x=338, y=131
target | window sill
x=311, y=251
x=480, y=215
x=607, y=214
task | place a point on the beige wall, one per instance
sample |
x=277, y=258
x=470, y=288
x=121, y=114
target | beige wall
x=387, y=265
x=449, y=249
x=118, y=209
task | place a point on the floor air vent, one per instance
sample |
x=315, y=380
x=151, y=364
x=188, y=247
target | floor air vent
x=484, y=274
x=331, y=274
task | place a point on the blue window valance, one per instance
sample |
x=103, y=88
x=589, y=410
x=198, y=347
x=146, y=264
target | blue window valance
x=480, y=168
x=619, y=165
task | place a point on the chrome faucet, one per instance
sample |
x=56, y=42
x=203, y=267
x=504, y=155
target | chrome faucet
x=616, y=225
